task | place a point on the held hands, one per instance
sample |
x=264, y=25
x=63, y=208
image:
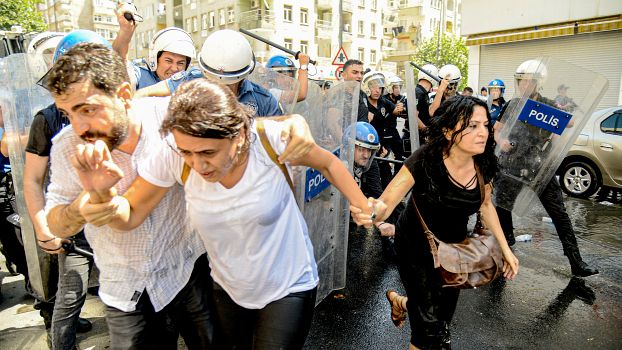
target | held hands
x=297, y=132
x=510, y=264
x=364, y=217
x=95, y=168
x=386, y=229
x=98, y=214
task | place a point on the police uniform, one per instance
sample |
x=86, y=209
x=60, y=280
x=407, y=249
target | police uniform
x=250, y=94
x=144, y=76
x=382, y=117
x=495, y=110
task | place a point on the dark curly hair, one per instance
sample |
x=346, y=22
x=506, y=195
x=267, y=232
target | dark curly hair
x=450, y=113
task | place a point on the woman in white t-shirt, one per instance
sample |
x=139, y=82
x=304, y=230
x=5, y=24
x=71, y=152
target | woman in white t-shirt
x=265, y=275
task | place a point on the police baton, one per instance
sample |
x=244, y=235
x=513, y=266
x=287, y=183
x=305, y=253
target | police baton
x=425, y=71
x=273, y=44
x=380, y=159
x=70, y=247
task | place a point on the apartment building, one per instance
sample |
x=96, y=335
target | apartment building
x=68, y=15
x=410, y=22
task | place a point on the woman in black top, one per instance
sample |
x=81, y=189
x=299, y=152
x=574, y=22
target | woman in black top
x=442, y=177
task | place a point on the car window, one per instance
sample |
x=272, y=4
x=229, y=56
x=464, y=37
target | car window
x=613, y=124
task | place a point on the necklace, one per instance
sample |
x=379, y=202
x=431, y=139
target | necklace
x=464, y=187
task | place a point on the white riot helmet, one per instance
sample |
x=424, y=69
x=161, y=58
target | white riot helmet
x=227, y=56
x=393, y=80
x=430, y=68
x=531, y=69
x=42, y=47
x=372, y=79
x=451, y=72
x=171, y=39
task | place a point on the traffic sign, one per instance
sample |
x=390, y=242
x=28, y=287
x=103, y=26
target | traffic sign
x=338, y=72
x=340, y=58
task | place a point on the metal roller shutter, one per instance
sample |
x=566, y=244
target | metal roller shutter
x=600, y=52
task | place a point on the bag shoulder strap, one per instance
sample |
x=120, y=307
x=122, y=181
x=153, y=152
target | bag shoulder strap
x=432, y=239
x=261, y=130
x=185, y=172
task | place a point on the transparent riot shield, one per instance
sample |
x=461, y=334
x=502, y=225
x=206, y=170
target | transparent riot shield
x=20, y=99
x=540, y=125
x=326, y=211
x=413, y=119
x=283, y=87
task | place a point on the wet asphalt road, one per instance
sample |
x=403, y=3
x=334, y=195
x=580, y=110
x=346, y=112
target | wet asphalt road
x=543, y=308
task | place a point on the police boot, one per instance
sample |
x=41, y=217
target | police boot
x=83, y=325
x=579, y=267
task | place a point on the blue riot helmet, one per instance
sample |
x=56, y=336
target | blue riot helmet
x=76, y=37
x=496, y=84
x=282, y=64
x=366, y=144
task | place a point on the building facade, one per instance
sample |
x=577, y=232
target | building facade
x=585, y=33
x=68, y=15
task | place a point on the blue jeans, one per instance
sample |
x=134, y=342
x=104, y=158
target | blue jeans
x=189, y=312
x=73, y=273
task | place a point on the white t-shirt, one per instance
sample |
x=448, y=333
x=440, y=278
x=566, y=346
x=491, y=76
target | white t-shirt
x=255, y=235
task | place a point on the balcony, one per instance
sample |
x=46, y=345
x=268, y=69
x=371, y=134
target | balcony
x=323, y=29
x=325, y=4
x=258, y=18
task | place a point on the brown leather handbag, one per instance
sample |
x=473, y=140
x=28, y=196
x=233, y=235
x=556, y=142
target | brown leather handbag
x=472, y=263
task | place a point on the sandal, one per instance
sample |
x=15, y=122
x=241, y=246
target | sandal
x=398, y=313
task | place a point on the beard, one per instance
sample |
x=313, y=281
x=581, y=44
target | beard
x=116, y=136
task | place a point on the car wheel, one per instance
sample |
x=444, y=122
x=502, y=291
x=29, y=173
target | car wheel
x=578, y=179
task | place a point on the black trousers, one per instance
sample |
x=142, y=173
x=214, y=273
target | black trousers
x=189, y=312
x=553, y=203
x=430, y=306
x=282, y=324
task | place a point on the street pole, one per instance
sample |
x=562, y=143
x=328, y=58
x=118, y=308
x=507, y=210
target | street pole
x=340, y=24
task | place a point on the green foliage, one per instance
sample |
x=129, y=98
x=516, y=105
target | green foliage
x=453, y=51
x=23, y=13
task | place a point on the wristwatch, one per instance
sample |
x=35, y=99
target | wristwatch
x=303, y=67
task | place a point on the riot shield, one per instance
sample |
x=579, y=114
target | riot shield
x=325, y=209
x=20, y=99
x=537, y=130
x=283, y=87
x=413, y=119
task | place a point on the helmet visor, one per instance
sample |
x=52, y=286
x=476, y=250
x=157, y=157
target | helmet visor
x=364, y=155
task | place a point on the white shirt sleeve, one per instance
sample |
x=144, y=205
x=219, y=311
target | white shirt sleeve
x=273, y=132
x=65, y=185
x=163, y=167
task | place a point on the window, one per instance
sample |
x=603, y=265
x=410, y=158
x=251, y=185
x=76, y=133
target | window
x=288, y=44
x=304, y=46
x=109, y=19
x=231, y=15
x=613, y=124
x=374, y=4
x=304, y=16
x=221, y=17
x=361, y=54
x=372, y=56
x=373, y=30
x=188, y=24
x=195, y=24
x=254, y=3
x=204, y=21
x=361, y=4
x=212, y=19
x=97, y=18
x=361, y=28
x=287, y=13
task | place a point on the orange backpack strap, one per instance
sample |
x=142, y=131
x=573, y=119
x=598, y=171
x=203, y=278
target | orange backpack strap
x=261, y=130
x=185, y=172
